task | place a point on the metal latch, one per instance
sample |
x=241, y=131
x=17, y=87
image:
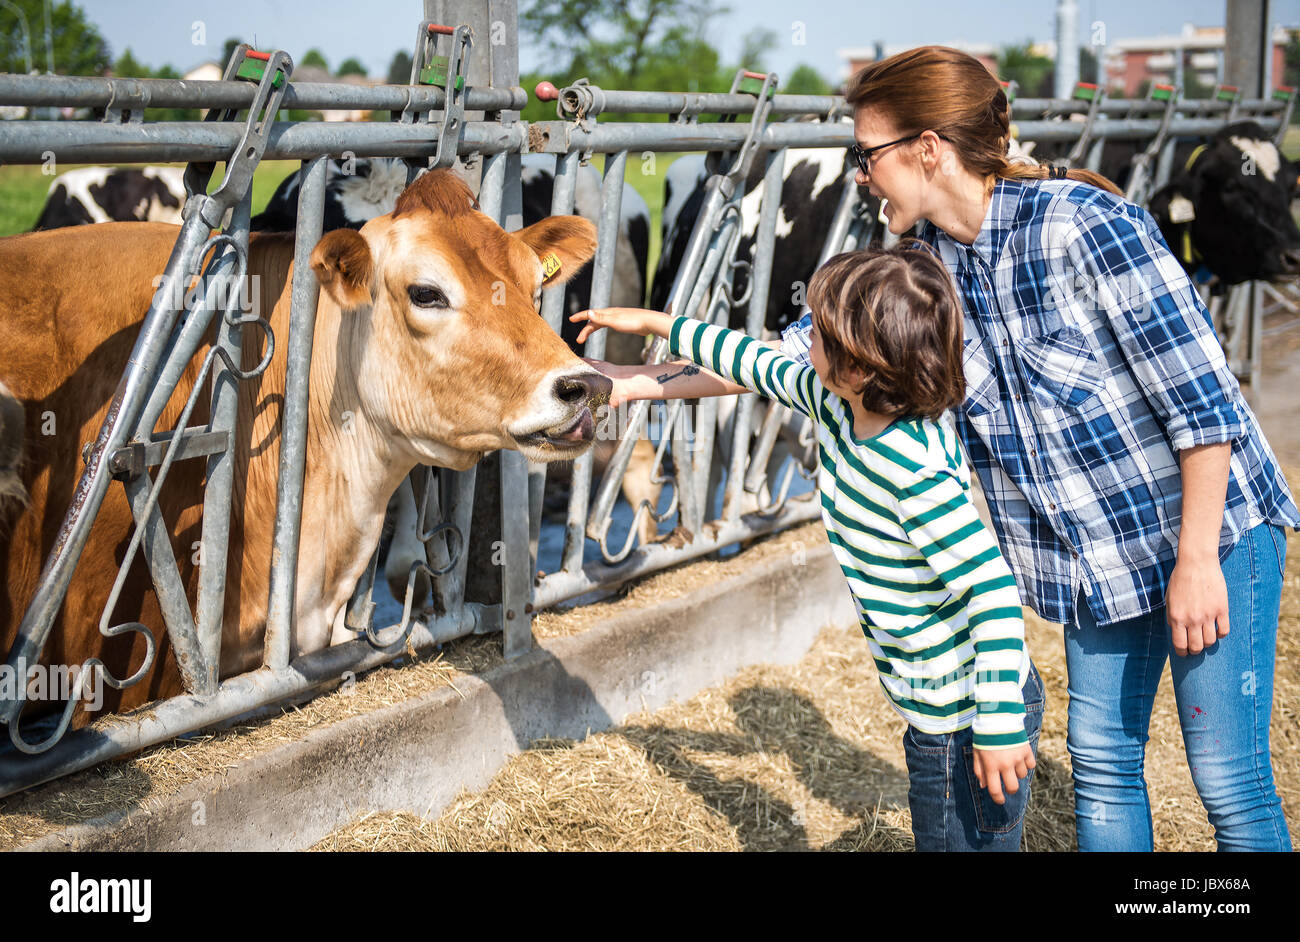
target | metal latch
x=447, y=72
x=271, y=72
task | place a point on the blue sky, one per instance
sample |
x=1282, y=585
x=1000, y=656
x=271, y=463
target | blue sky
x=164, y=31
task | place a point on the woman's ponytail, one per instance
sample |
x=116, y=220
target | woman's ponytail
x=951, y=92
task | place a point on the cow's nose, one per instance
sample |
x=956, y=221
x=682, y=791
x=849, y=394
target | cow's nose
x=583, y=387
x=1291, y=262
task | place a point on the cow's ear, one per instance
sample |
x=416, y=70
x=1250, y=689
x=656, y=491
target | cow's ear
x=343, y=267
x=563, y=243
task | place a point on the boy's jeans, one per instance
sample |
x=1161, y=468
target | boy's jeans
x=950, y=811
x=1224, y=696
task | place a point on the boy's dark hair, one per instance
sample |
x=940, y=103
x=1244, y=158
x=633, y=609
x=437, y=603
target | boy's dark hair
x=893, y=314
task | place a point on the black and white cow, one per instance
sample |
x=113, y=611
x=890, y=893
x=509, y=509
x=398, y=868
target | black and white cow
x=809, y=196
x=371, y=189
x=1228, y=207
x=107, y=194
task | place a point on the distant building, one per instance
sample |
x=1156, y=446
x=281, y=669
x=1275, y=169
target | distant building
x=1196, y=51
x=1130, y=62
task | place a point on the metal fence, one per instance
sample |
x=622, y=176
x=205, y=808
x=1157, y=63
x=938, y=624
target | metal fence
x=436, y=124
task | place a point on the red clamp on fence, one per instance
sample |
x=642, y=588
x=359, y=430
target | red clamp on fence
x=751, y=83
x=546, y=91
x=1284, y=92
x=253, y=67
x=1161, y=92
x=436, y=69
x=1227, y=93
x=1085, y=91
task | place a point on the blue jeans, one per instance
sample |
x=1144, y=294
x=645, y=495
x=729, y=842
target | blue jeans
x=950, y=812
x=1224, y=696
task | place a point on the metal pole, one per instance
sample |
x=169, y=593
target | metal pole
x=214, y=540
x=1246, y=40
x=1067, y=47
x=27, y=33
x=293, y=422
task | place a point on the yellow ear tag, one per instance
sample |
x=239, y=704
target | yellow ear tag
x=550, y=266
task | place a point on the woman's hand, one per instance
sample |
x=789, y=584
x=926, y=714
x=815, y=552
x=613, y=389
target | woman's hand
x=1196, y=605
x=1000, y=770
x=625, y=320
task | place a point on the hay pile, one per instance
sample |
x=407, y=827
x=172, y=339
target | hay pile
x=807, y=757
x=141, y=781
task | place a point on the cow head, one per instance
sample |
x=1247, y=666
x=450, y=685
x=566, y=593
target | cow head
x=1230, y=208
x=438, y=321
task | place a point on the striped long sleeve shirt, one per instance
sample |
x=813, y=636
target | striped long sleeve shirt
x=936, y=601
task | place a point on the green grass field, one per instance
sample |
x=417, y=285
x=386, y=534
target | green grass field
x=23, y=189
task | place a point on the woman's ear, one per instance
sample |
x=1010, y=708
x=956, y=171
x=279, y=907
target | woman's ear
x=343, y=266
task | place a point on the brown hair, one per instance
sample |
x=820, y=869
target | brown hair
x=894, y=315
x=945, y=90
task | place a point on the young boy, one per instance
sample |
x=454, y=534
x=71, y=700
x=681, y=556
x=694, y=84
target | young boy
x=936, y=600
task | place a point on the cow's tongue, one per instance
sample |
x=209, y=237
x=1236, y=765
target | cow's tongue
x=582, y=430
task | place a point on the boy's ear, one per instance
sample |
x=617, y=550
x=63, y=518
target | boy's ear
x=343, y=266
x=563, y=243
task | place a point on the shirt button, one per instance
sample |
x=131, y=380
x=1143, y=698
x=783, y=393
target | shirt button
x=1051, y=506
x=1074, y=553
x=1033, y=452
x=1017, y=397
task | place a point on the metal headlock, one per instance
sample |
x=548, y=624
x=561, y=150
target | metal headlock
x=127, y=447
x=123, y=446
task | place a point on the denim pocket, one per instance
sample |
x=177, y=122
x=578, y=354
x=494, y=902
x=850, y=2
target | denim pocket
x=991, y=817
x=1278, y=536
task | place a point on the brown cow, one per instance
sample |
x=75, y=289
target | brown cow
x=427, y=349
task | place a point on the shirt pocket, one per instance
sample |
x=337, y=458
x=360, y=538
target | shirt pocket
x=1060, y=367
x=981, y=381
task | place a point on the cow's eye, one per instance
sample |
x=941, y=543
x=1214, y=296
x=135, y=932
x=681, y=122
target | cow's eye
x=427, y=296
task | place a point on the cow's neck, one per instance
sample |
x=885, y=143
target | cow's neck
x=352, y=468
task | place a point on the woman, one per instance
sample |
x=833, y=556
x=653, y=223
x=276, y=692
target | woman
x=1132, y=491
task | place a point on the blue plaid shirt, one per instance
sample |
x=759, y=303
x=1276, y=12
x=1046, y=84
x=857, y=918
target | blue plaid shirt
x=1089, y=363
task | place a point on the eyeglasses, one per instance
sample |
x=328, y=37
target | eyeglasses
x=866, y=156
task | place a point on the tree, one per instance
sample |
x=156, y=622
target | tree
x=127, y=66
x=754, y=47
x=805, y=80
x=353, y=66
x=1033, y=74
x=78, y=47
x=314, y=57
x=618, y=38
x=399, y=70
x=627, y=44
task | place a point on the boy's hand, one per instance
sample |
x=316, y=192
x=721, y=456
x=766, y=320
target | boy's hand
x=625, y=320
x=623, y=377
x=996, y=768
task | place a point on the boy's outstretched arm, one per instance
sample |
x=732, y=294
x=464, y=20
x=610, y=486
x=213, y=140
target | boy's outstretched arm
x=678, y=379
